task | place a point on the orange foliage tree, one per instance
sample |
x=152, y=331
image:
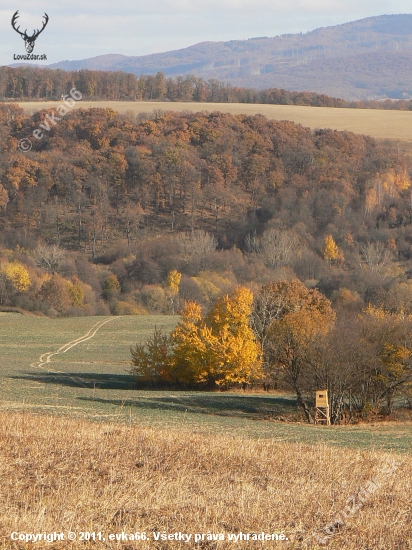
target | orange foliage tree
x=287, y=317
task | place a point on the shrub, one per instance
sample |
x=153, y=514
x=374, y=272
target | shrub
x=152, y=363
x=128, y=308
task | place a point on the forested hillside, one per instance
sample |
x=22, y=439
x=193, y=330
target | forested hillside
x=366, y=59
x=105, y=207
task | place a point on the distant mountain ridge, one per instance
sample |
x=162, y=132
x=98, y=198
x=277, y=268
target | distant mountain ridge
x=366, y=59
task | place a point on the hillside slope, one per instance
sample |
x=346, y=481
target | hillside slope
x=365, y=59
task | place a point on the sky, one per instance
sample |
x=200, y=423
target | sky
x=79, y=29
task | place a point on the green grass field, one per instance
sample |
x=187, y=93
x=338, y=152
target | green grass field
x=376, y=123
x=90, y=380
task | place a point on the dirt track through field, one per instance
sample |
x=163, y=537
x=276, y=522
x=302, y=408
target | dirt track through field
x=45, y=358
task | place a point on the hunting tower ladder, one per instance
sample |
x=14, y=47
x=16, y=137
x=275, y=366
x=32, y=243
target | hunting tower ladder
x=322, y=408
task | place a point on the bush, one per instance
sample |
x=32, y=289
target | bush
x=128, y=308
x=155, y=298
x=55, y=292
x=152, y=363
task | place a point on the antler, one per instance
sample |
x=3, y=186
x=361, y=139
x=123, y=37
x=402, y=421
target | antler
x=46, y=20
x=13, y=23
x=29, y=40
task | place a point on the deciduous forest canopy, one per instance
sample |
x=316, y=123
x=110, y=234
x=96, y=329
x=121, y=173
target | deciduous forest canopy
x=113, y=203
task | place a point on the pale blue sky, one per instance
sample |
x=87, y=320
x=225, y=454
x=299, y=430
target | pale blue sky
x=80, y=29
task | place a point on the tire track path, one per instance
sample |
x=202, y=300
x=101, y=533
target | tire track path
x=45, y=358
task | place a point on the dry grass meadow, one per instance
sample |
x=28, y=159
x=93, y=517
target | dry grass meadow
x=62, y=474
x=376, y=123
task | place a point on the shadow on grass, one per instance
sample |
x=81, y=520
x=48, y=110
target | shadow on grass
x=213, y=403
x=83, y=379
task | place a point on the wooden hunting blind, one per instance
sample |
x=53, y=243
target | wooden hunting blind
x=322, y=408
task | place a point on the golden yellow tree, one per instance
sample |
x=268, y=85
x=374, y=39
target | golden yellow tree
x=330, y=249
x=76, y=292
x=173, y=280
x=18, y=275
x=219, y=349
x=191, y=351
x=236, y=357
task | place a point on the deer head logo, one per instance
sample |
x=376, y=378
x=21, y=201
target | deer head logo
x=29, y=41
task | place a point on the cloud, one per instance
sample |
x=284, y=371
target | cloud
x=85, y=28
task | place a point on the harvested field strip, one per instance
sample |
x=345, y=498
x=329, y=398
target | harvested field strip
x=71, y=475
x=379, y=124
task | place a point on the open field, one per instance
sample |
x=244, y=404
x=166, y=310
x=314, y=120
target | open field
x=379, y=124
x=65, y=475
x=90, y=380
x=81, y=451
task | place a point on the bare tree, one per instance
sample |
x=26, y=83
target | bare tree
x=375, y=256
x=130, y=217
x=195, y=246
x=341, y=362
x=252, y=242
x=276, y=248
x=49, y=257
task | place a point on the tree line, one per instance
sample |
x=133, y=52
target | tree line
x=27, y=83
